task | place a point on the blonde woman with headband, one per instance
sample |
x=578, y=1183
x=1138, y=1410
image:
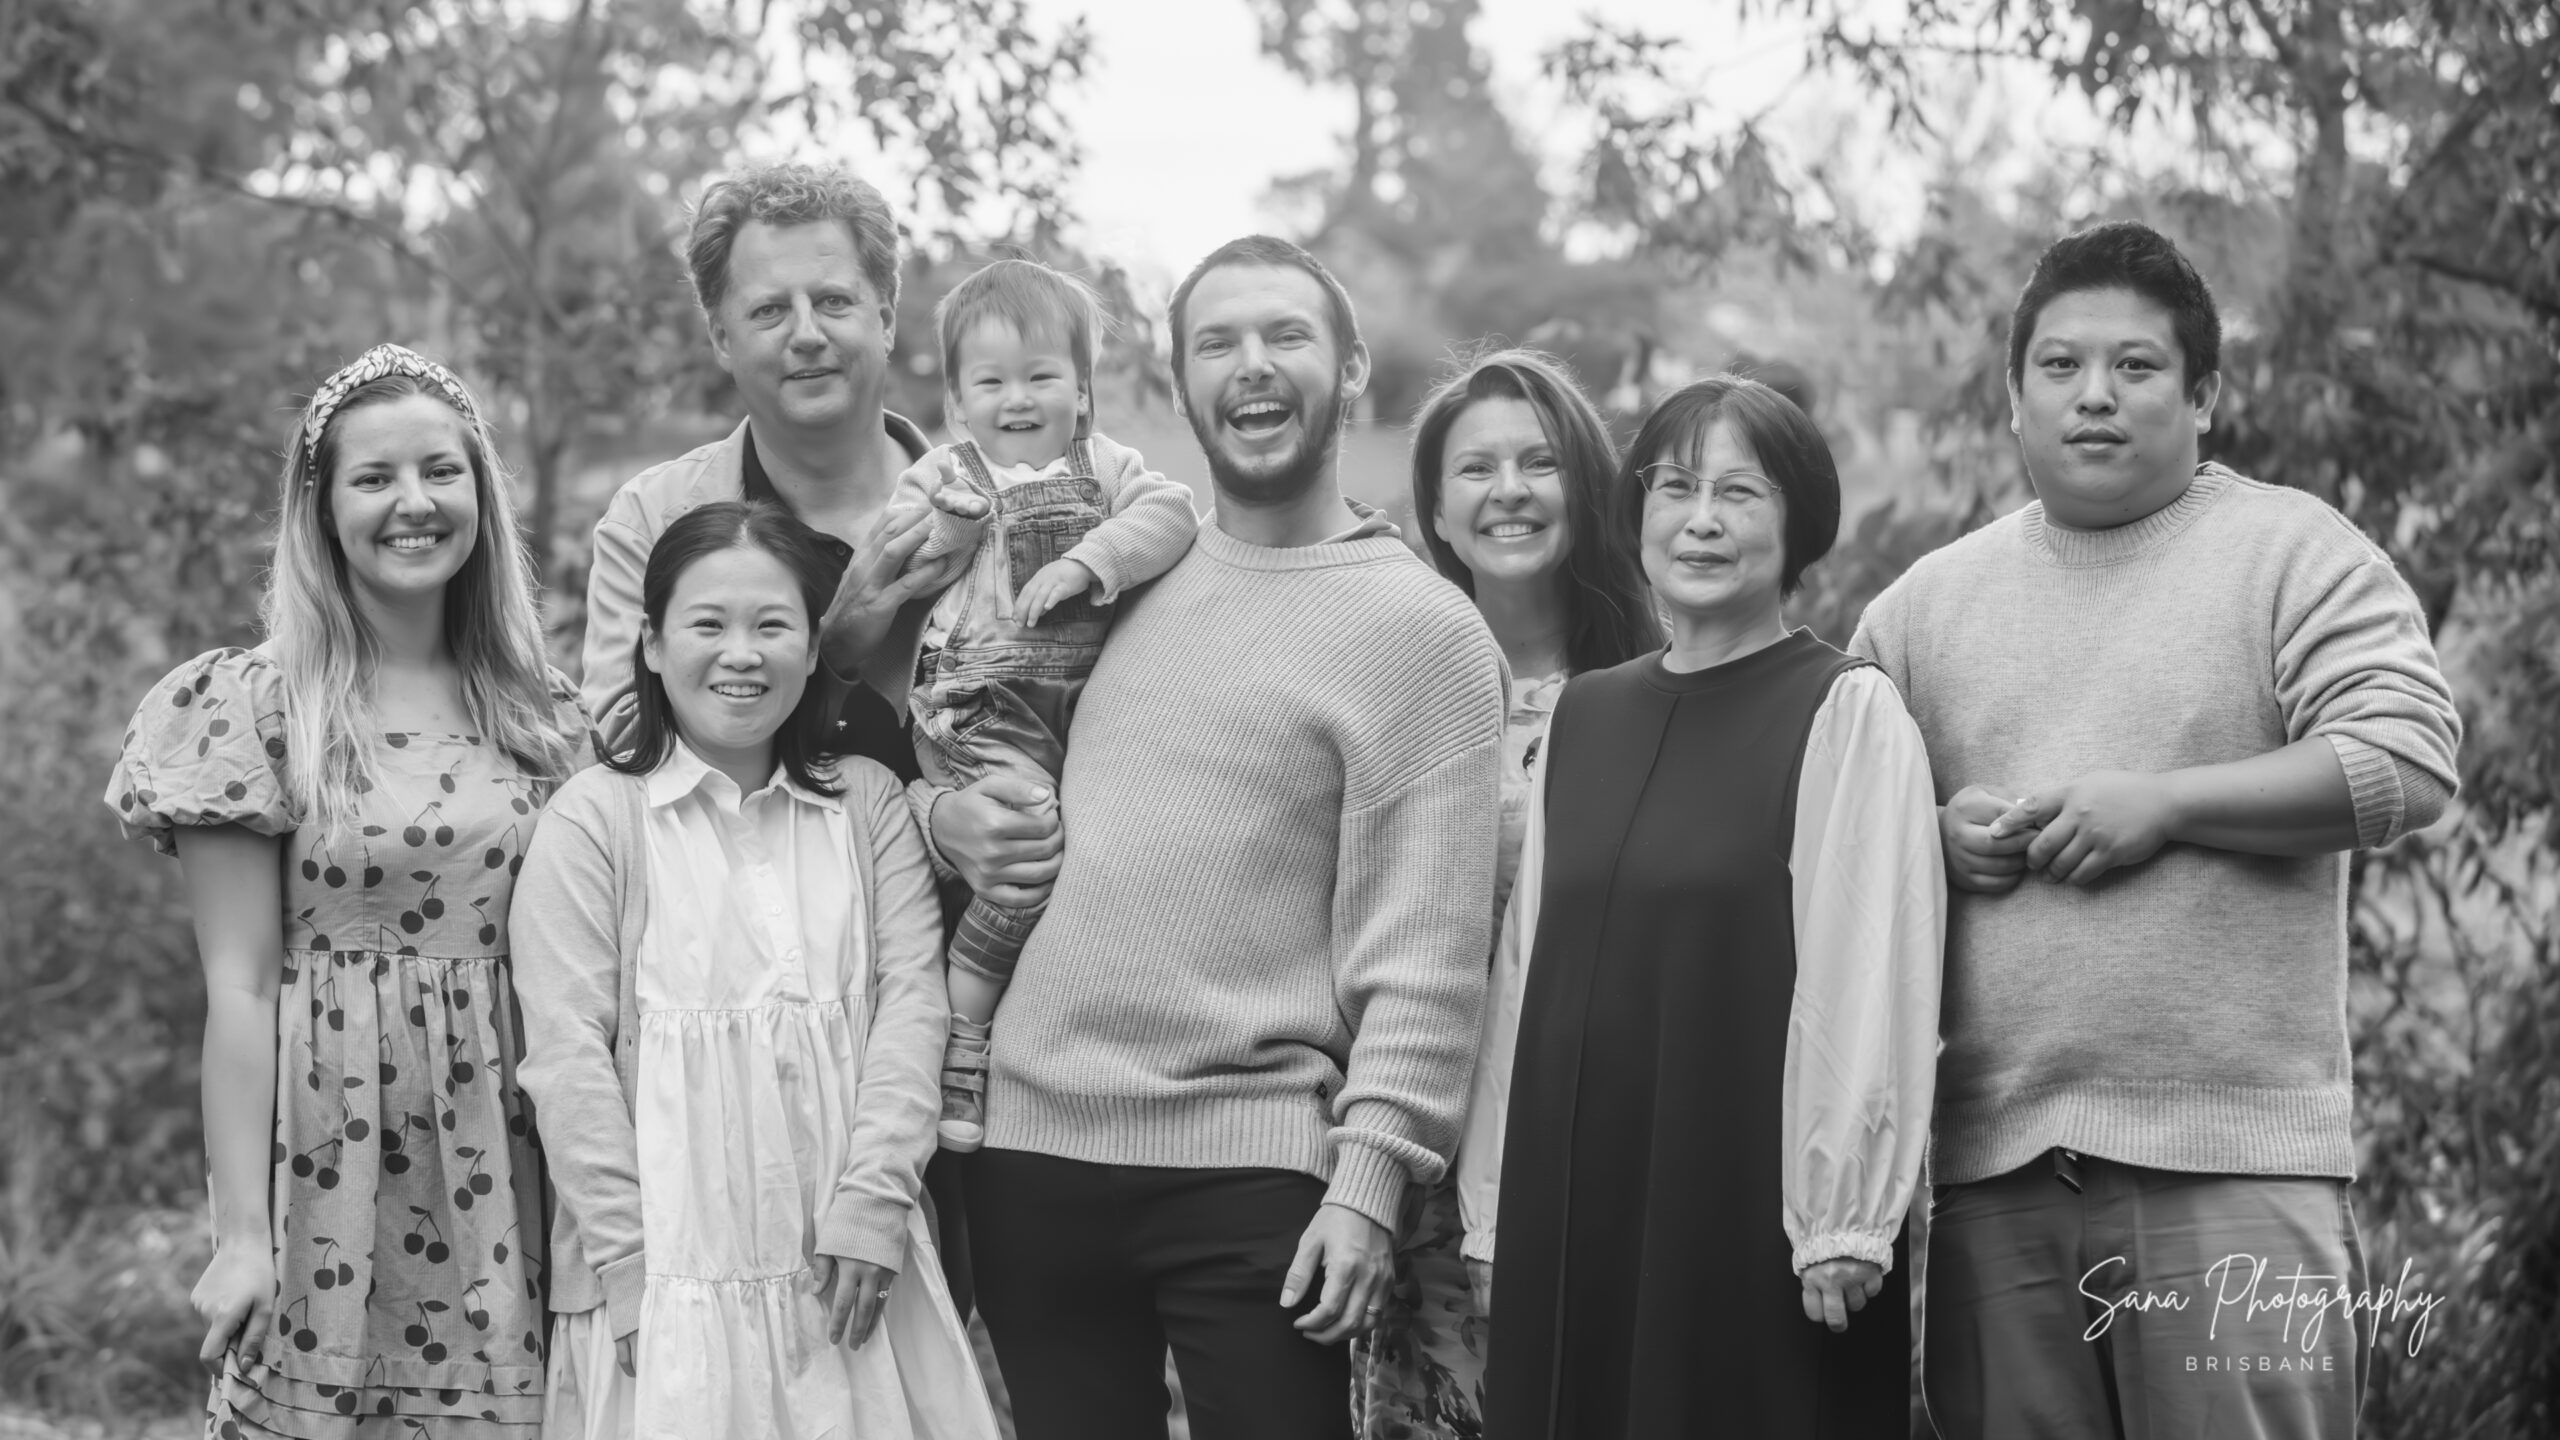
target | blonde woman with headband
x=350, y=802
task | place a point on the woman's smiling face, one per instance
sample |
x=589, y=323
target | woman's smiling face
x=1502, y=504
x=403, y=503
x=735, y=652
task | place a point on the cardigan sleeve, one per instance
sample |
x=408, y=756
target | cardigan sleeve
x=1870, y=929
x=1489, y=1100
x=898, y=1094
x=565, y=937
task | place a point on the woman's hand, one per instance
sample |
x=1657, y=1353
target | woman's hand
x=626, y=1353
x=1480, y=1281
x=854, y=1292
x=236, y=1299
x=1835, y=1288
x=1002, y=835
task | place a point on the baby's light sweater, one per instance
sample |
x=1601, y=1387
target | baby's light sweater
x=1266, y=947
x=2188, y=1013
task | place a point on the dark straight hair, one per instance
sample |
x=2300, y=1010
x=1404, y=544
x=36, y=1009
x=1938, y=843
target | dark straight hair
x=1609, y=615
x=1790, y=449
x=802, y=744
x=2123, y=255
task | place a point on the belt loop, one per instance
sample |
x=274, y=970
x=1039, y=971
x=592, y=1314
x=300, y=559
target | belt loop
x=2066, y=1168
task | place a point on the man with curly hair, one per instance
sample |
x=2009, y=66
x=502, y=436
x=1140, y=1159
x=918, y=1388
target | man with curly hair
x=796, y=269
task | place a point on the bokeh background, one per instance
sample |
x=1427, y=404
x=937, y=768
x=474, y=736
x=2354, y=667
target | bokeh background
x=207, y=205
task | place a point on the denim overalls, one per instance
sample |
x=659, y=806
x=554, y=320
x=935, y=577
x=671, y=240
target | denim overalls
x=996, y=698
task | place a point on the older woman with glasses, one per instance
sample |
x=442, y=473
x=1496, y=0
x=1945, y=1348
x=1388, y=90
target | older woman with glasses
x=1709, y=1047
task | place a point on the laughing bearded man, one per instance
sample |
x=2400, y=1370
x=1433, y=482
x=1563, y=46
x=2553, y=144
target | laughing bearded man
x=1247, y=1021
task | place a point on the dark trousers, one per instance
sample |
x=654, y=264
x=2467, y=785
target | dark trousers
x=1087, y=1272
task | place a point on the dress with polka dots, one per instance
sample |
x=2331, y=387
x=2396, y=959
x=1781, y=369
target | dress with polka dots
x=407, y=1199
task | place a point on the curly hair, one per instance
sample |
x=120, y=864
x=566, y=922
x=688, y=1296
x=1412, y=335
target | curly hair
x=791, y=194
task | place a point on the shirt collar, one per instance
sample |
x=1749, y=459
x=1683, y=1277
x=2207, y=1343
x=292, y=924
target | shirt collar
x=683, y=772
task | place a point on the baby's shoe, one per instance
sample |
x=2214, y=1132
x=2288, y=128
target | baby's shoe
x=964, y=1086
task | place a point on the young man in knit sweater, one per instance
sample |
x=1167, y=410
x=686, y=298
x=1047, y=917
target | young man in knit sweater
x=2162, y=703
x=1247, y=1020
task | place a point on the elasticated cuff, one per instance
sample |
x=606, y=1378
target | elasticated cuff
x=1367, y=1179
x=2373, y=788
x=1864, y=1245
x=868, y=1231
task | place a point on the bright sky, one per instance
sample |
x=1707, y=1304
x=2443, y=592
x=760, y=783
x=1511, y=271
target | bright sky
x=1185, y=124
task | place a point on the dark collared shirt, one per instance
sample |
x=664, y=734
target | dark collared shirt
x=866, y=724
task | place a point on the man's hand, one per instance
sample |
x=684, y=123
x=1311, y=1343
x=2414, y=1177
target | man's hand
x=1480, y=1281
x=1002, y=835
x=868, y=598
x=2105, y=820
x=1355, y=1254
x=854, y=1292
x=1834, y=1288
x=1056, y=583
x=236, y=1299
x=1980, y=858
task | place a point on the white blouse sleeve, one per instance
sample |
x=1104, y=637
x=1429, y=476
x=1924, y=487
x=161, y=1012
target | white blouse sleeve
x=1870, y=928
x=1489, y=1101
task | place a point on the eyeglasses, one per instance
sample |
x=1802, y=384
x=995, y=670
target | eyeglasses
x=1734, y=491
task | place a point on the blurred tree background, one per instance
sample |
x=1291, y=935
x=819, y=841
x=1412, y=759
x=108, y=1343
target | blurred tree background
x=206, y=205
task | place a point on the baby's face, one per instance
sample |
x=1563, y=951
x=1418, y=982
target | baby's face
x=1017, y=394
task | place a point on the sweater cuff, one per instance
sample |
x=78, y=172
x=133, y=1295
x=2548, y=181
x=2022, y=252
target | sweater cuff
x=2373, y=787
x=1844, y=1245
x=1478, y=1245
x=920, y=797
x=1098, y=560
x=1367, y=1179
x=866, y=1230
x=624, y=1281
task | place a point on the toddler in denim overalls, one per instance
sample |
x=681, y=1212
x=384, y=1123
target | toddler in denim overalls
x=1064, y=520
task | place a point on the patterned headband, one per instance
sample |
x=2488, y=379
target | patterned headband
x=372, y=365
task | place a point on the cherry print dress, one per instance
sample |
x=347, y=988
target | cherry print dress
x=407, y=1200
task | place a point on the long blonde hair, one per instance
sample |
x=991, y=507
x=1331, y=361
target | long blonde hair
x=327, y=651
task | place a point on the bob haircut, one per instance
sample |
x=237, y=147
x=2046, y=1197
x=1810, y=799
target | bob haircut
x=2123, y=255
x=1609, y=617
x=1791, y=452
x=783, y=195
x=1033, y=300
x=802, y=744
x=327, y=649
x=1279, y=254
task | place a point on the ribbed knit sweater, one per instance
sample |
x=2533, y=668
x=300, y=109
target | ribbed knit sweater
x=2188, y=1013
x=1266, y=945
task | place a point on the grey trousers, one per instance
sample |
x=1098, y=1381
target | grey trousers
x=2078, y=1297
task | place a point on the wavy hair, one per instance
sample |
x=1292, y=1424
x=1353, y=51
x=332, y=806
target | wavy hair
x=801, y=746
x=1609, y=616
x=327, y=651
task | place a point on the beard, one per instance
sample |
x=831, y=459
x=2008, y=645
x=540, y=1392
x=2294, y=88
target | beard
x=1273, y=479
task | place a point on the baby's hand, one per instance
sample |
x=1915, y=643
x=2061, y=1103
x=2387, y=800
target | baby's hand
x=1058, y=582
x=956, y=520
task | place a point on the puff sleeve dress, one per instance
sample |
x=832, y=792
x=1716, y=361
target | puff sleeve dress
x=407, y=1197
x=1709, y=1053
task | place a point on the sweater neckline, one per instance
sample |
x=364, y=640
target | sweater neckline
x=1744, y=670
x=2071, y=547
x=1371, y=536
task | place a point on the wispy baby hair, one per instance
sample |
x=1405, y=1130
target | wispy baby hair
x=1031, y=298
